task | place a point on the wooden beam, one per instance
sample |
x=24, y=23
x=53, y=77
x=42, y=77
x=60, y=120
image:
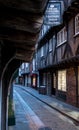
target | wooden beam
x=26, y=56
x=73, y=8
x=21, y=24
x=18, y=36
x=23, y=58
x=25, y=47
x=24, y=51
x=30, y=6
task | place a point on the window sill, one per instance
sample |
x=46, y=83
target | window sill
x=77, y=34
x=61, y=44
x=41, y=56
x=50, y=51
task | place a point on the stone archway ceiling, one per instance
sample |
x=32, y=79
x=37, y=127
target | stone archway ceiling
x=20, y=23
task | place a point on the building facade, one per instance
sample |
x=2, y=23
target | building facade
x=24, y=74
x=28, y=74
x=54, y=69
x=34, y=72
x=58, y=57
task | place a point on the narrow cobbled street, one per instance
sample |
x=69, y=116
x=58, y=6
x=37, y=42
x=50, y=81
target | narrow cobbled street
x=32, y=114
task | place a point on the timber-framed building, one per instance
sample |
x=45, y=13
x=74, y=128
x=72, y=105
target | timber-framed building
x=58, y=57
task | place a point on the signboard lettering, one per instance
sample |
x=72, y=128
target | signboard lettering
x=53, y=14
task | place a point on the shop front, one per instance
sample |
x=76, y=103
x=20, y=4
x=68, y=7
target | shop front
x=34, y=80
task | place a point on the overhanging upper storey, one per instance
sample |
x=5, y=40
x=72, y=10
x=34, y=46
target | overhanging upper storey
x=20, y=24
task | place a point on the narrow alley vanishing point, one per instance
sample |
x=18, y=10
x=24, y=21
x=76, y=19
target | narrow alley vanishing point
x=32, y=114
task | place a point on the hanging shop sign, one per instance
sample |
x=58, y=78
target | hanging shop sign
x=53, y=13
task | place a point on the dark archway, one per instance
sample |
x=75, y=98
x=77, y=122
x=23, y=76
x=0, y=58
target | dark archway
x=7, y=74
x=20, y=24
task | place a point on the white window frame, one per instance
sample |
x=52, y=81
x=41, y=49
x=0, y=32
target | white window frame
x=26, y=64
x=76, y=24
x=50, y=45
x=22, y=65
x=45, y=28
x=62, y=80
x=42, y=51
x=61, y=36
x=33, y=64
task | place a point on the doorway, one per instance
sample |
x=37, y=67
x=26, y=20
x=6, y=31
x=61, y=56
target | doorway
x=54, y=84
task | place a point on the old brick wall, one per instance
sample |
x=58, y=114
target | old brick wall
x=71, y=87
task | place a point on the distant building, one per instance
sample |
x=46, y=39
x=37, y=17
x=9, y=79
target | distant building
x=28, y=75
x=24, y=74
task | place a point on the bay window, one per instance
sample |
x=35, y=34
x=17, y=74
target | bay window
x=77, y=24
x=61, y=36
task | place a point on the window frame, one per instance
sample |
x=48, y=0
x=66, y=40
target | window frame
x=77, y=16
x=60, y=80
x=33, y=64
x=26, y=65
x=22, y=66
x=61, y=36
x=50, y=45
x=42, y=51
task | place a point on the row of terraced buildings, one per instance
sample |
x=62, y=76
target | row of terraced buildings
x=54, y=69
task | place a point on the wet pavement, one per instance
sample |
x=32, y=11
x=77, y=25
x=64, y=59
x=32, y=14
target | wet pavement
x=31, y=114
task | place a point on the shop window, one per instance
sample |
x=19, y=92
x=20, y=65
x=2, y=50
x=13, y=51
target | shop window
x=62, y=36
x=34, y=81
x=77, y=24
x=62, y=80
